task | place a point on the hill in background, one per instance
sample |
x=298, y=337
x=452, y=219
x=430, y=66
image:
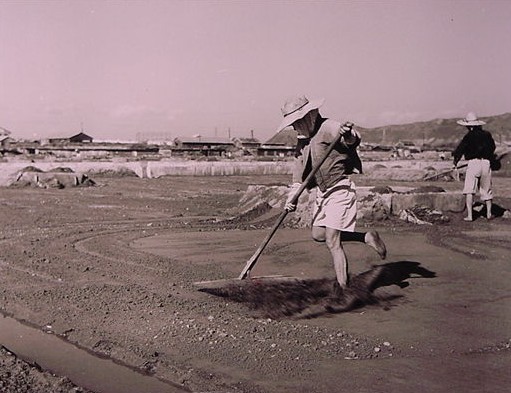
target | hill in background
x=438, y=133
x=435, y=133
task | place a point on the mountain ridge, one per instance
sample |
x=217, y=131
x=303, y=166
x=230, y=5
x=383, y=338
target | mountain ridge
x=436, y=133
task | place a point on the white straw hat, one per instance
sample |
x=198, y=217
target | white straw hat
x=296, y=108
x=471, y=120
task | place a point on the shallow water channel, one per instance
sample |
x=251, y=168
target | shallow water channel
x=83, y=368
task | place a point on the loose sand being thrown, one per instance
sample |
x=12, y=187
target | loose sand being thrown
x=305, y=298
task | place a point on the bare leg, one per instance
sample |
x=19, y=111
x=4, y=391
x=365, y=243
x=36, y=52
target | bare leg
x=469, y=204
x=332, y=238
x=371, y=238
x=319, y=234
x=488, y=209
x=334, y=244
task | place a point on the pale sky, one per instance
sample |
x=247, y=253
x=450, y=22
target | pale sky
x=122, y=68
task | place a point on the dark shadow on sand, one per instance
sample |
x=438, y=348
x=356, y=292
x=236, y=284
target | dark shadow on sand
x=311, y=298
x=479, y=210
x=396, y=273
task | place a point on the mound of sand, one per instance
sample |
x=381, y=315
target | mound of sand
x=54, y=178
x=373, y=203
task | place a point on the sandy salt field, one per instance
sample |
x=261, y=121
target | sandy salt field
x=109, y=271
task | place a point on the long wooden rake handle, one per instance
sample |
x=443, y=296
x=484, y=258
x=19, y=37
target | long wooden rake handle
x=497, y=158
x=445, y=172
x=253, y=260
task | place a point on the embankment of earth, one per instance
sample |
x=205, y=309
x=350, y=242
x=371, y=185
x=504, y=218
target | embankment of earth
x=395, y=170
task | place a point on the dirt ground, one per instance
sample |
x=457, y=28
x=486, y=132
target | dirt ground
x=112, y=268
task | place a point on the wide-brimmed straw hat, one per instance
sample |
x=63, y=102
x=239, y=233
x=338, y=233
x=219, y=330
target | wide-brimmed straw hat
x=296, y=108
x=471, y=120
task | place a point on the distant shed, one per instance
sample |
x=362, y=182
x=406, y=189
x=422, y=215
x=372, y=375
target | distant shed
x=275, y=150
x=247, y=146
x=200, y=146
x=282, y=144
x=5, y=142
x=81, y=138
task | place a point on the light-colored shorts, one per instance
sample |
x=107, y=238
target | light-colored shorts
x=478, y=176
x=336, y=207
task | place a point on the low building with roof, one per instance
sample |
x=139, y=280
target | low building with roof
x=282, y=144
x=81, y=138
x=202, y=146
x=247, y=146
